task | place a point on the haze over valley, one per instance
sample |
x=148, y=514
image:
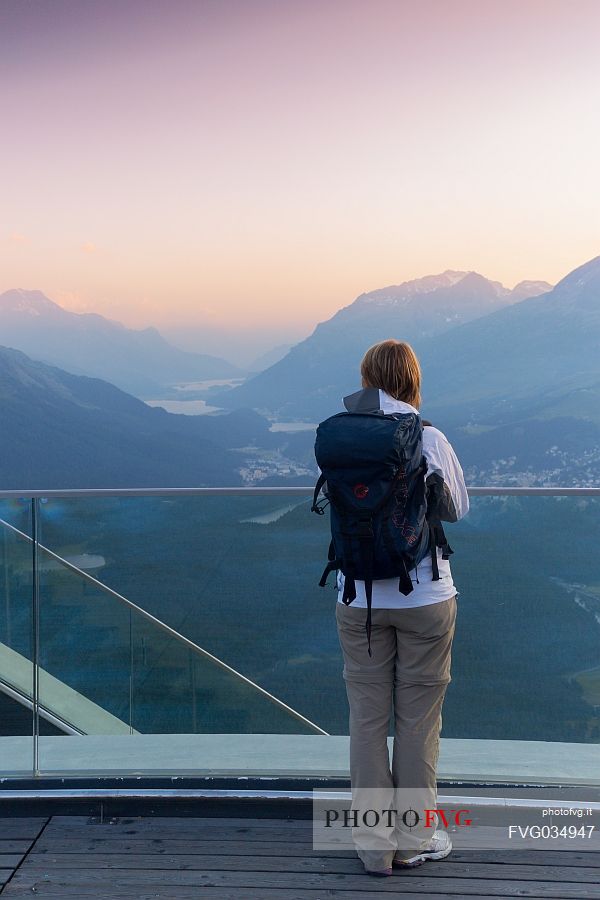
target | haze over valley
x=512, y=377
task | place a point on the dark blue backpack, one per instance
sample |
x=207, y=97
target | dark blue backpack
x=373, y=477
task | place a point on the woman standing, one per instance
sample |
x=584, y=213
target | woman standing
x=411, y=638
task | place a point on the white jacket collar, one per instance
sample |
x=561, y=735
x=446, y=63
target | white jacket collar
x=388, y=404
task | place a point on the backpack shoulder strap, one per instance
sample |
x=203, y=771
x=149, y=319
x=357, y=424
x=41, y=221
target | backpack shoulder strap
x=316, y=508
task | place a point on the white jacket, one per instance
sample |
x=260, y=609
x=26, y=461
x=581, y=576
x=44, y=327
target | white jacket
x=446, y=475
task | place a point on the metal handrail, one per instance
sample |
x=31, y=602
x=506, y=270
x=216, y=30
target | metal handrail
x=274, y=491
x=158, y=623
x=46, y=714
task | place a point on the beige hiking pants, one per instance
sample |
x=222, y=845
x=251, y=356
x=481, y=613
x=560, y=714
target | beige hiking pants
x=406, y=676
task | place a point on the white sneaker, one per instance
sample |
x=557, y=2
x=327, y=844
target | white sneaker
x=439, y=846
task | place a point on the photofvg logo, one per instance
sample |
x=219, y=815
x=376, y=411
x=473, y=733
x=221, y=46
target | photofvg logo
x=381, y=818
x=410, y=818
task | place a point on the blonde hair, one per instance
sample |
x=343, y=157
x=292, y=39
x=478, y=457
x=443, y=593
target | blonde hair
x=392, y=366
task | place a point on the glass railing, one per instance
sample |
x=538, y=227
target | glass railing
x=184, y=632
x=16, y=643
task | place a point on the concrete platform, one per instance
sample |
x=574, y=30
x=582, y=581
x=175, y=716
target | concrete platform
x=270, y=755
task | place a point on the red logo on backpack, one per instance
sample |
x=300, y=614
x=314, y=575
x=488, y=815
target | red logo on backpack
x=360, y=491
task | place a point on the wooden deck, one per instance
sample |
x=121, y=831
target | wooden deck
x=258, y=859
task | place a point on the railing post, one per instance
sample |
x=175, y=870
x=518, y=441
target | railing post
x=7, y=604
x=131, y=671
x=35, y=616
x=193, y=682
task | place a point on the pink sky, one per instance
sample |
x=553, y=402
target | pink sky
x=262, y=163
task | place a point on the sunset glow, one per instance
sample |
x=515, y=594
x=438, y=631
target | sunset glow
x=262, y=163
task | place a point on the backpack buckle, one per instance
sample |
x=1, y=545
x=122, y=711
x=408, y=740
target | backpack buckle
x=365, y=526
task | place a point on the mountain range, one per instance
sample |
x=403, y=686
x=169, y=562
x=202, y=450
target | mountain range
x=310, y=380
x=538, y=357
x=511, y=377
x=519, y=390
x=61, y=430
x=140, y=362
